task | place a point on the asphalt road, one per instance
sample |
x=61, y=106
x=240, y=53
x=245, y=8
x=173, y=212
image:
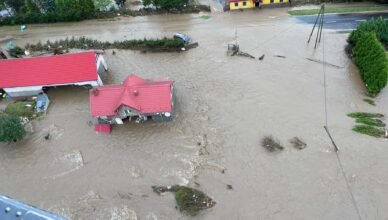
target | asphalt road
x=341, y=21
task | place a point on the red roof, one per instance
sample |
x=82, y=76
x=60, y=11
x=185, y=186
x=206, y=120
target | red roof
x=103, y=128
x=145, y=96
x=48, y=70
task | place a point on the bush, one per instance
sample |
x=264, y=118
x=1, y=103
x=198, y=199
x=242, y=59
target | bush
x=271, y=144
x=165, y=44
x=378, y=26
x=22, y=109
x=11, y=128
x=371, y=59
x=16, y=52
x=365, y=115
x=371, y=122
x=369, y=130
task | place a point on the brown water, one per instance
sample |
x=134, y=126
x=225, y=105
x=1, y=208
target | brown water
x=227, y=104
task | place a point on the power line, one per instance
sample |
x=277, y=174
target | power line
x=320, y=33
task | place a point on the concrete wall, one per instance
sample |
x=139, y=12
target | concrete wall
x=241, y=4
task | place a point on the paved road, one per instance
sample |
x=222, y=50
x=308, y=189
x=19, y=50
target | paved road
x=341, y=21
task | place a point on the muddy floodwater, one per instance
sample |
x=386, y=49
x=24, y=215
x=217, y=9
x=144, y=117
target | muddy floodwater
x=225, y=106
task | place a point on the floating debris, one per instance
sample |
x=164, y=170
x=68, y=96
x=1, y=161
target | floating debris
x=189, y=201
x=271, y=144
x=280, y=56
x=262, y=57
x=298, y=143
x=228, y=186
x=370, y=101
x=325, y=63
x=243, y=54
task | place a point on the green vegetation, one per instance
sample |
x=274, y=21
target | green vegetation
x=344, y=9
x=369, y=130
x=271, y=144
x=166, y=4
x=160, y=45
x=190, y=201
x=378, y=26
x=22, y=109
x=49, y=11
x=11, y=128
x=371, y=122
x=372, y=62
x=365, y=115
x=16, y=52
x=370, y=101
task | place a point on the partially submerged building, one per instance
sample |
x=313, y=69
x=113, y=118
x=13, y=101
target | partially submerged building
x=136, y=98
x=29, y=76
x=244, y=4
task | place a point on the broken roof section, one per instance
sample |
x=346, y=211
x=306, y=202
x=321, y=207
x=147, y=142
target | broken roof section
x=48, y=70
x=145, y=96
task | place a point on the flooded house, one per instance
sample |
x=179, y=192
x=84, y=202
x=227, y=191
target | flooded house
x=29, y=76
x=135, y=99
x=241, y=4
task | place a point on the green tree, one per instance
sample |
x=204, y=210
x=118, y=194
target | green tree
x=372, y=61
x=102, y=4
x=11, y=129
x=30, y=7
x=15, y=4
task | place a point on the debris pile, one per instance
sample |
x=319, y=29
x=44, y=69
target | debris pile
x=298, y=143
x=271, y=144
x=189, y=201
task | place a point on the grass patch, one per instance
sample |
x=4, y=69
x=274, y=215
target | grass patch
x=344, y=9
x=189, y=201
x=370, y=101
x=365, y=115
x=369, y=130
x=160, y=45
x=271, y=144
x=371, y=122
x=22, y=109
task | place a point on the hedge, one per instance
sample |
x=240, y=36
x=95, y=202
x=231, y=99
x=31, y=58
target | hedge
x=372, y=62
x=378, y=26
x=11, y=128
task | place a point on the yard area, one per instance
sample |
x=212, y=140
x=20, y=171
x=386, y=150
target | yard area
x=225, y=106
x=334, y=8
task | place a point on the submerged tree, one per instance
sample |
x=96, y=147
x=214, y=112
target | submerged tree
x=11, y=128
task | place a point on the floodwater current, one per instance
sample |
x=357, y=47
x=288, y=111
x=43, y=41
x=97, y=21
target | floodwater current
x=225, y=106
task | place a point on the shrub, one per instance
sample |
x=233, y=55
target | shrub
x=365, y=115
x=378, y=26
x=22, y=109
x=16, y=52
x=371, y=122
x=369, y=130
x=11, y=128
x=271, y=144
x=371, y=59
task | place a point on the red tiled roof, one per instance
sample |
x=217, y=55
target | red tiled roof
x=146, y=96
x=48, y=70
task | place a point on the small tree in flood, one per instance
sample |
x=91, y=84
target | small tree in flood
x=11, y=128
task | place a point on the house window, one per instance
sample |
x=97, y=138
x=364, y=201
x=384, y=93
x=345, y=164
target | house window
x=272, y=1
x=244, y=3
x=281, y=1
x=236, y=4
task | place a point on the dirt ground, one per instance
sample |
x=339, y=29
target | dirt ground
x=225, y=105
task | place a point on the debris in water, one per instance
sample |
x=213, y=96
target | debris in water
x=228, y=186
x=262, y=57
x=370, y=101
x=113, y=52
x=271, y=144
x=243, y=54
x=47, y=136
x=325, y=63
x=189, y=201
x=298, y=143
x=280, y=56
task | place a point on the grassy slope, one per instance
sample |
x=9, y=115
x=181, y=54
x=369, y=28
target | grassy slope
x=342, y=9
